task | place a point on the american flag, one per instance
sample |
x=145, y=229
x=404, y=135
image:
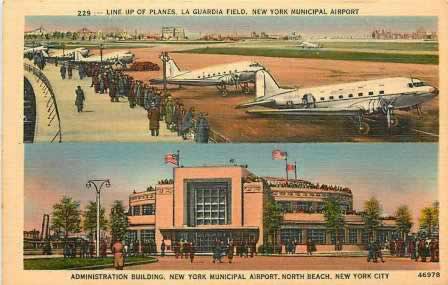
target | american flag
x=171, y=158
x=279, y=155
x=290, y=167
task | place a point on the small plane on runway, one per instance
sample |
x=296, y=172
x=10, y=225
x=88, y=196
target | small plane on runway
x=238, y=74
x=353, y=100
x=308, y=45
x=116, y=57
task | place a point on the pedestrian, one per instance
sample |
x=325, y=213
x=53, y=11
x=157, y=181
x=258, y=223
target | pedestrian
x=309, y=247
x=81, y=72
x=153, y=117
x=80, y=98
x=70, y=71
x=230, y=250
x=117, y=251
x=62, y=70
x=192, y=251
x=187, y=123
x=162, y=248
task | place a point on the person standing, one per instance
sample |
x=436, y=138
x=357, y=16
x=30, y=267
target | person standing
x=309, y=247
x=192, y=251
x=230, y=250
x=62, y=70
x=153, y=117
x=69, y=71
x=80, y=98
x=117, y=251
x=162, y=248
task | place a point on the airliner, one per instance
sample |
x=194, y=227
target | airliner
x=308, y=45
x=237, y=74
x=70, y=53
x=117, y=57
x=354, y=100
x=31, y=51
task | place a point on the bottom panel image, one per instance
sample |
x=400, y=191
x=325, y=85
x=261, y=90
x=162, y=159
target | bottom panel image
x=231, y=207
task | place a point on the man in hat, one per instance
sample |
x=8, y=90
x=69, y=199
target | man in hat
x=154, y=117
x=80, y=98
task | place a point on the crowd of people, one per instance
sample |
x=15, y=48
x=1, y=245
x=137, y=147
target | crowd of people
x=160, y=106
x=308, y=185
x=417, y=248
x=83, y=249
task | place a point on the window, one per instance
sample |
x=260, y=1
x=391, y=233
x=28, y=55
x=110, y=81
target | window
x=359, y=94
x=318, y=236
x=322, y=99
x=341, y=236
x=136, y=211
x=381, y=92
x=331, y=97
x=350, y=95
x=291, y=235
x=148, y=209
x=370, y=93
x=410, y=85
x=132, y=235
x=353, y=236
x=341, y=97
x=147, y=235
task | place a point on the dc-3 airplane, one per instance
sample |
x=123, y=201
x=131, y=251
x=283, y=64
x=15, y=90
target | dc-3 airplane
x=31, y=51
x=354, y=100
x=69, y=53
x=238, y=74
x=308, y=45
x=117, y=57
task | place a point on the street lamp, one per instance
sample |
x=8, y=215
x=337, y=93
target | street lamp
x=101, y=53
x=98, y=185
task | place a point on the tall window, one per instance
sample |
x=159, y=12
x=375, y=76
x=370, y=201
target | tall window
x=147, y=235
x=291, y=235
x=208, y=203
x=132, y=235
x=148, y=209
x=341, y=236
x=318, y=236
x=136, y=211
x=353, y=236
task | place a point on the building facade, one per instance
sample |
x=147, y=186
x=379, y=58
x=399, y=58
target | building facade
x=205, y=204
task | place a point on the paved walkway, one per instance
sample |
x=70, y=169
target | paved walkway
x=285, y=263
x=102, y=120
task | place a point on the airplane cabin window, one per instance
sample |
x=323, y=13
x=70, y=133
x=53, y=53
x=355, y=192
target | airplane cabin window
x=331, y=97
x=381, y=92
x=360, y=94
x=370, y=93
x=341, y=97
x=350, y=95
x=410, y=85
x=322, y=98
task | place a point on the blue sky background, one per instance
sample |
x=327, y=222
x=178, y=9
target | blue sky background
x=395, y=173
x=311, y=25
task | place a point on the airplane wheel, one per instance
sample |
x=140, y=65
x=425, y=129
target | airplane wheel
x=394, y=122
x=364, y=128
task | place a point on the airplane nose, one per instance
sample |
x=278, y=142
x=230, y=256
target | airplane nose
x=435, y=91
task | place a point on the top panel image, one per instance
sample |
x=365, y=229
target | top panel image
x=221, y=79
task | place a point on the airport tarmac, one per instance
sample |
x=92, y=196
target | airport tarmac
x=238, y=126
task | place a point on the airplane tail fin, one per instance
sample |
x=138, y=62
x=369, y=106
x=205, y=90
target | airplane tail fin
x=265, y=85
x=171, y=68
x=78, y=55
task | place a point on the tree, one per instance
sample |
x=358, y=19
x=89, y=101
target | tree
x=334, y=217
x=89, y=224
x=429, y=218
x=118, y=221
x=371, y=215
x=403, y=220
x=66, y=216
x=272, y=220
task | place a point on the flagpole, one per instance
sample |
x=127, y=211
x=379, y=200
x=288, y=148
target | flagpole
x=286, y=167
x=178, y=158
x=295, y=169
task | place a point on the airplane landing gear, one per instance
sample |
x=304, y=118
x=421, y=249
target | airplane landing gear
x=394, y=121
x=245, y=88
x=363, y=128
x=222, y=89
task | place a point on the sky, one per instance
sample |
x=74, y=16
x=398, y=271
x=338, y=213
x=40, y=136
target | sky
x=396, y=174
x=308, y=25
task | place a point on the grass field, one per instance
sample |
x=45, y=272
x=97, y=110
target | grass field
x=398, y=46
x=60, y=263
x=320, y=54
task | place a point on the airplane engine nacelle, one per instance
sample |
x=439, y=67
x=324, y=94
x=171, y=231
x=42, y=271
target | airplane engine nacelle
x=247, y=77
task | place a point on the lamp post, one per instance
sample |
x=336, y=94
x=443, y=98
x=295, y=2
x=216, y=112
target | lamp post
x=101, y=53
x=98, y=185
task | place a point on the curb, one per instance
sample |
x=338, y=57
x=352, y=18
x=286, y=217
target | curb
x=104, y=266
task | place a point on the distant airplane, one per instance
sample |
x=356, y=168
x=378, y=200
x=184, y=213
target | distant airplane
x=354, y=100
x=117, y=57
x=31, y=51
x=70, y=53
x=238, y=74
x=306, y=45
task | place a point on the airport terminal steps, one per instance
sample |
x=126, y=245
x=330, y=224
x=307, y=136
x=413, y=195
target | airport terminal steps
x=102, y=120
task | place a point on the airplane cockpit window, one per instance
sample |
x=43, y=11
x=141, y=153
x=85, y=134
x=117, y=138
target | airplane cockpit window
x=360, y=94
x=419, y=84
x=410, y=85
x=254, y=65
x=382, y=92
x=370, y=93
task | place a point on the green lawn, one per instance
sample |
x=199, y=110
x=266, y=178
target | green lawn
x=320, y=54
x=398, y=46
x=59, y=263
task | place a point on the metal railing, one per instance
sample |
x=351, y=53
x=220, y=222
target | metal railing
x=51, y=105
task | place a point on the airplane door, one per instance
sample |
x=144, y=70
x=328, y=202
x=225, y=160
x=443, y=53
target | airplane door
x=309, y=101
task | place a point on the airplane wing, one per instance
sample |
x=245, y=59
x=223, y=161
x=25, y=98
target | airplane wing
x=188, y=82
x=307, y=112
